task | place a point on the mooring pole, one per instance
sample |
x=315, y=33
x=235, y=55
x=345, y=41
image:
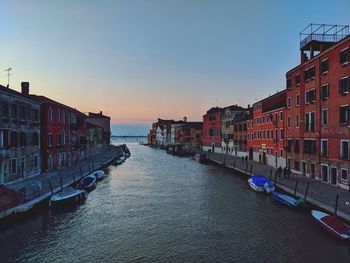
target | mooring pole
x=251, y=170
x=93, y=167
x=81, y=173
x=307, y=190
x=61, y=183
x=51, y=189
x=336, y=204
x=234, y=164
x=295, y=187
x=270, y=175
x=73, y=176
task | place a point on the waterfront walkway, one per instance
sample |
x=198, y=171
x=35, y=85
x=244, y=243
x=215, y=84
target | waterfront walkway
x=319, y=194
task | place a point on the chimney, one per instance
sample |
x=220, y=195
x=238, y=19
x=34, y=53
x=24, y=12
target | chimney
x=304, y=57
x=248, y=106
x=100, y=112
x=185, y=119
x=25, y=88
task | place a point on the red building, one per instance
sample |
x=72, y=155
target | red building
x=318, y=131
x=265, y=137
x=63, y=134
x=212, y=130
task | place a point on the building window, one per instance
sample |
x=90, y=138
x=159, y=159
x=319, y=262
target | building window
x=14, y=114
x=14, y=166
x=268, y=134
x=324, y=147
x=309, y=146
x=49, y=115
x=58, y=139
x=310, y=96
x=344, y=150
x=297, y=80
x=344, y=57
x=281, y=134
x=344, y=84
x=49, y=140
x=344, y=114
x=289, y=102
x=324, y=92
x=35, y=161
x=297, y=121
x=58, y=117
x=324, y=116
x=281, y=115
x=310, y=121
x=35, y=115
x=297, y=101
x=344, y=174
x=22, y=139
x=22, y=113
x=288, y=121
x=35, y=139
x=14, y=139
x=289, y=83
x=324, y=66
x=281, y=152
x=5, y=109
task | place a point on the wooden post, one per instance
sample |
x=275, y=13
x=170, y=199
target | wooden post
x=295, y=187
x=251, y=170
x=61, y=183
x=89, y=168
x=275, y=178
x=51, y=189
x=81, y=173
x=93, y=167
x=270, y=175
x=336, y=204
x=234, y=164
x=73, y=176
x=307, y=190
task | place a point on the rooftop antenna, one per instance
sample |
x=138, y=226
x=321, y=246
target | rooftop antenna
x=217, y=102
x=8, y=76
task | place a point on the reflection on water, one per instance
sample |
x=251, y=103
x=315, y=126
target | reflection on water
x=160, y=208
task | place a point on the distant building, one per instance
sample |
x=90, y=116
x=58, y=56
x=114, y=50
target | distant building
x=95, y=139
x=318, y=99
x=240, y=134
x=229, y=116
x=19, y=135
x=266, y=133
x=212, y=130
x=190, y=133
x=102, y=121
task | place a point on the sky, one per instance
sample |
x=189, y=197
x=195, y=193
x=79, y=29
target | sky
x=139, y=60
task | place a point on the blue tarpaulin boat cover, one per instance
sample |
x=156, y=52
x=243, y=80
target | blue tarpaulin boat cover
x=260, y=180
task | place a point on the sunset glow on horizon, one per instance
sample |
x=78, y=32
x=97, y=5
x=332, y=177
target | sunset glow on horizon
x=139, y=60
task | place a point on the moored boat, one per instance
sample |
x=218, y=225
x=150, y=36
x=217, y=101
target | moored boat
x=118, y=162
x=260, y=183
x=88, y=183
x=200, y=157
x=68, y=196
x=286, y=199
x=99, y=174
x=332, y=224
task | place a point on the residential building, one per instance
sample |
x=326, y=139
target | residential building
x=240, y=134
x=19, y=135
x=318, y=101
x=229, y=116
x=103, y=121
x=265, y=136
x=212, y=130
x=63, y=134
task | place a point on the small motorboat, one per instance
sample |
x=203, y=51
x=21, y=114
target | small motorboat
x=99, y=174
x=286, y=199
x=260, y=183
x=68, y=196
x=200, y=157
x=332, y=224
x=88, y=183
x=118, y=162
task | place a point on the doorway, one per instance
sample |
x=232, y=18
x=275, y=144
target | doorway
x=333, y=175
x=313, y=170
x=303, y=168
x=324, y=173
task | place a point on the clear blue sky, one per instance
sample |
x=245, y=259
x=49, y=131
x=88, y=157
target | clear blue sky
x=139, y=60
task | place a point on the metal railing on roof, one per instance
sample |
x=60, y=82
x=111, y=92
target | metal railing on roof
x=323, y=33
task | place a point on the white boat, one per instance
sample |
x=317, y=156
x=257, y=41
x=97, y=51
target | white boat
x=67, y=196
x=260, y=183
x=99, y=174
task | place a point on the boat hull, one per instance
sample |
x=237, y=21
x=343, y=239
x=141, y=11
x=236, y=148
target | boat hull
x=336, y=227
x=286, y=199
x=71, y=201
x=255, y=187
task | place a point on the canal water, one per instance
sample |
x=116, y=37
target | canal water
x=161, y=208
